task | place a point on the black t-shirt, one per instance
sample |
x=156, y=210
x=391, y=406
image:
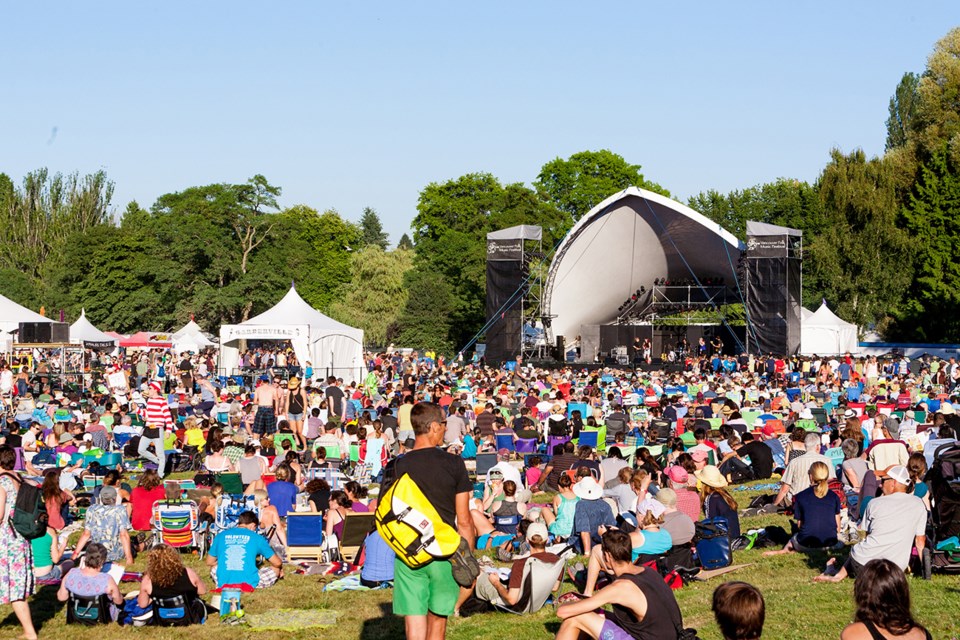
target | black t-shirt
x=186, y=366
x=440, y=475
x=761, y=458
x=389, y=421
x=321, y=499
x=334, y=397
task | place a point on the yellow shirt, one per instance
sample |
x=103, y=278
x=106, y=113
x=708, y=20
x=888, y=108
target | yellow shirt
x=403, y=417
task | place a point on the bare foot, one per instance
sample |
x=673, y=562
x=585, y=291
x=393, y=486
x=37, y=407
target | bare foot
x=823, y=577
x=777, y=552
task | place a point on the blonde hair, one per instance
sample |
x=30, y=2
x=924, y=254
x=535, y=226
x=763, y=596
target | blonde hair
x=259, y=496
x=820, y=479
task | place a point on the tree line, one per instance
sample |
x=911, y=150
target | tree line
x=880, y=237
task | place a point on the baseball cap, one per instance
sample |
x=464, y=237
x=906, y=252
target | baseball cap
x=537, y=529
x=898, y=472
x=698, y=455
x=678, y=474
x=108, y=495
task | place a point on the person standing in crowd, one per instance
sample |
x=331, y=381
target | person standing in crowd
x=266, y=398
x=426, y=596
x=16, y=564
x=336, y=401
x=157, y=421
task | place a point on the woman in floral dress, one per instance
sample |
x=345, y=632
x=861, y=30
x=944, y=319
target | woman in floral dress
x=16, y=561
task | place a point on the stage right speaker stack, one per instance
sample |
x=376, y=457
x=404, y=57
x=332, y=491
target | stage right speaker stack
x=773, y=275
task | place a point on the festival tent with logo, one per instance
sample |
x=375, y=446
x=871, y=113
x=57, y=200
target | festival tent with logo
x=332, y=347
x=191, y=338
x=824, y=334
x=83, y=332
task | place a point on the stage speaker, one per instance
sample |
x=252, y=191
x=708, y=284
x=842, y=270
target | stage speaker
x=558, y=351
x=43, y=332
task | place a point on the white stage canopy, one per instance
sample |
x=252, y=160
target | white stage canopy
x=12, y=314
x=825, y=334
x=627, y=241
x=332, y=347
x=83, y=332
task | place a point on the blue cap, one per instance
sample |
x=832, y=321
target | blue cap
x=264, y=378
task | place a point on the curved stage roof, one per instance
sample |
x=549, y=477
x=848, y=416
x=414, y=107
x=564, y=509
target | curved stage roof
x=627, y=241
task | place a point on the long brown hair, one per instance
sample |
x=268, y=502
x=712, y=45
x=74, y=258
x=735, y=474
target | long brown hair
x=164, y=566
x=882, y=597
x=706, y=490
x=51, y=485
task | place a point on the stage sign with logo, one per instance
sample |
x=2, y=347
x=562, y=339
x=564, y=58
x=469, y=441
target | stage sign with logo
x=229, y=333
x=782, y=246
x=504, y=249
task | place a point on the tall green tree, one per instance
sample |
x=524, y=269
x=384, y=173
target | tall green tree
x=329, y=241
x=427, y=317
x=371, y=230
x=582, y=181
x=862, y=262
x=938, y=98
x=405, y=242
x=903, y=111
x=375, y=295
x=785, y=202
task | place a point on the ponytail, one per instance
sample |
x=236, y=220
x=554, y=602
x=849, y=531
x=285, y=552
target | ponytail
x=820, y=479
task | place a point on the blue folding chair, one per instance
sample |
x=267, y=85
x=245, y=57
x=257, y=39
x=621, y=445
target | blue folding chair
x=588, y=439
x=526, y=445
x=505, y=441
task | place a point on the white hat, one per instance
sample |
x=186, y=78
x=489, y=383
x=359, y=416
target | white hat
x=898, y=472
x=849, y=413
x=537, y=529
x=588, y=489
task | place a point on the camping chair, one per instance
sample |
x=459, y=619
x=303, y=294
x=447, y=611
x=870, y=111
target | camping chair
x=280, y=438
x=356, y=526
x=836, y=456
x=507, y=524
x=819, y=414
x=628, y=453
x=588, y=439
x=807, y=425
x=553, y=442
x=333, y=477
x=526, y=445
x=88, y=610
x=304, y=536
x=229, y=508
x=333, y=451
x=505, y=441
x=582, y=407
x=231, y=483
x=484, y=462
x=177, y=611
x=177, y=524
x=539, y=580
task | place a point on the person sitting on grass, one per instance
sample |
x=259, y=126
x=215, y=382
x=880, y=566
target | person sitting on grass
x=488, y=536
x=895, y=523
x=90, y=581
x=717, y=501
x=817, y=511
x=240, y=547
x=647, y=542
x=559, y=518
x=739, y=610
x=882, y=597
x=643, y=606
x=166, y=577
x=107, y=524
x=488, y=586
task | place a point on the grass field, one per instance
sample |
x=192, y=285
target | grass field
x=796, y=608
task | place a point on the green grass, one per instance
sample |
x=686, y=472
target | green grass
x=796, y=607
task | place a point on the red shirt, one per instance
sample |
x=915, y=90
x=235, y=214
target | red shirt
x=141, y=501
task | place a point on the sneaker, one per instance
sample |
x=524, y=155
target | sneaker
x=465, y=566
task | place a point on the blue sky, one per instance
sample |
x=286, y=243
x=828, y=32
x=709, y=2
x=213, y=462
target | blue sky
x=363, y=104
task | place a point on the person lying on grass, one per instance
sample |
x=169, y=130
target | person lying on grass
x=643, y=606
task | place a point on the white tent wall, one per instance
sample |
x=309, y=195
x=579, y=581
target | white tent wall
x=12, y=314
x=823, y=333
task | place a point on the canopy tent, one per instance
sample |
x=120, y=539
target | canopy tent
x=630, y=240
x=12, y=314
x=83, y=332
x=191, y=338
x=824, y=334
x=147, y=340
x=332, y=347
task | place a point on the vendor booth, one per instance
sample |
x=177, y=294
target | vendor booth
x=191, y=338
x=332, y=347
x=83, y=332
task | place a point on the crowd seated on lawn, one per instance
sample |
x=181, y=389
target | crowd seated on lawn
x=674, y=445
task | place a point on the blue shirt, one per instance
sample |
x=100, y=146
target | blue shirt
x=654, y=543
x=818, y=518
x=236, y=551
x=588, y=516
x=282, y=495
x=378, y=566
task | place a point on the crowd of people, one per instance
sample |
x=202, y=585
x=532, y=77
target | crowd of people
x=630, y=462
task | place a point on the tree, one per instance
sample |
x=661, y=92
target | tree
x=785, y=202
x=328, y=241
x=425, y=322
x=371, y=230
x=405, y=242
x=938, y=98
x=903, y=110
x=933, y=304
x=861, y=262
x=576, y=185
x=375, y=295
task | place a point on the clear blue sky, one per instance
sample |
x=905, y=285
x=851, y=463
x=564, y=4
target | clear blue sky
x=347, y=105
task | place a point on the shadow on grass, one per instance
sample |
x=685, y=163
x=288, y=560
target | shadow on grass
x=44, y=607
x=387, y=626
x=552, y=627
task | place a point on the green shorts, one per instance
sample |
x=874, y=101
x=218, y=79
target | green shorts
x=429, y=588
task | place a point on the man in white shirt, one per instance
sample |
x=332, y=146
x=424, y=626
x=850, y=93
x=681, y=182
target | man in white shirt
x=894, y=522
x=796, y=477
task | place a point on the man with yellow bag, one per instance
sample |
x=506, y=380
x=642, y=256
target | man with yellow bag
x=424, y=515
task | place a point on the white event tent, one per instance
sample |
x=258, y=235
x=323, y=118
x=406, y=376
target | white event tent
x=83, y=332
x=191, y=338
x=332, y=347
x=11, y=315
x=823, y=333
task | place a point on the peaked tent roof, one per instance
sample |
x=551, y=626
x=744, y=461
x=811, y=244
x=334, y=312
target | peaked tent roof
x=519, y=232
x=12, y=314
x=292, y=309
x=189, y=329
x=823, y=317
x=83, y=331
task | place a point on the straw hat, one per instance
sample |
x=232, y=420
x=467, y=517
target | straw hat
x=293, y=382
x=711, y=476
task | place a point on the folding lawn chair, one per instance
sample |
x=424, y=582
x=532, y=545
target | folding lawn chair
x=304, y=536
x=177, y=524
x=538, y=582
x=356, y=526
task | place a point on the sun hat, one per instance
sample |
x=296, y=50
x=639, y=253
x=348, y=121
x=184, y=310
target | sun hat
x=947, y=409
x=108, y=495
x=698, y=455
x=849, y=413
x=711, y=476
x=588, y=489
x=537, y=529
x=898, y=472
x=65, y=437
x=293, y=382
x=667, y=497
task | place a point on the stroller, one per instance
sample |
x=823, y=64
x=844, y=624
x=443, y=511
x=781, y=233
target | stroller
x=943, y=479
x=177, y=524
